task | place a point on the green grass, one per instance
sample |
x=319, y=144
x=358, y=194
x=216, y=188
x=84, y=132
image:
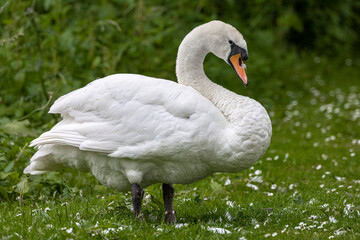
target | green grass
x=306, y=186
x=307, y=183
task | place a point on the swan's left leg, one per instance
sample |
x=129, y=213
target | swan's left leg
x=137, y=194
x=168, y=196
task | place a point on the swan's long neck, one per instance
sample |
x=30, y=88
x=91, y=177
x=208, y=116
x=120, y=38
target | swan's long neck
x=189, y=64
x=189, y=71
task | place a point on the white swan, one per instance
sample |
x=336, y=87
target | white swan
x=131, y=131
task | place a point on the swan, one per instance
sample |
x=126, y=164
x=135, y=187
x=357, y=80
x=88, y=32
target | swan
x=131, y=131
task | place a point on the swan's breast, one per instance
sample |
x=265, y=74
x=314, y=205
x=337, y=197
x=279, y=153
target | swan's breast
x=248, y=135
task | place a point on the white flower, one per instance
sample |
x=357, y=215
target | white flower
x=250, y=185
x=348, y=209
x=339, y=232
x=49, y=226
x=228, y=182
x=257, y=179
x=338, y=178
x=332, y=219
x=218, y=230
x=107, y=231
x=230, y=203
x=258, y=172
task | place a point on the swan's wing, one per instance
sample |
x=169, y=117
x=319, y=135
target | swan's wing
x=134, y=116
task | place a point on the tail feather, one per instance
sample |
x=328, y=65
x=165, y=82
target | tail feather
x=58, y=137
x=42, y=162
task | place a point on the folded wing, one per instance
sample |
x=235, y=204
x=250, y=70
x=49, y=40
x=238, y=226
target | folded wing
x=133, y=116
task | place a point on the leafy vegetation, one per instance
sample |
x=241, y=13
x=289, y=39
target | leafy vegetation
x=303, y=67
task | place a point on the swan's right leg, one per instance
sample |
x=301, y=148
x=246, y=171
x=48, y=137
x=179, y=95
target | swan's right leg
x=168, y=196
x=137, y=194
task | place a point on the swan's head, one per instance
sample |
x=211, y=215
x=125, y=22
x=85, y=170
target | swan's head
x=228, y=44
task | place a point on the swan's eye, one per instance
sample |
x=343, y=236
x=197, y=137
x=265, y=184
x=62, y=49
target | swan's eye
x=231, y=42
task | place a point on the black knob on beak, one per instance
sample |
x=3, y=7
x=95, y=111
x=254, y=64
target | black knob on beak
x=244, y=56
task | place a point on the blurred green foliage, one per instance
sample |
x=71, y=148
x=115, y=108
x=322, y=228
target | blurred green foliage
x=50, y=47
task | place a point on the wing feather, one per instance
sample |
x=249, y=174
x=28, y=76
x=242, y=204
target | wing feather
x=133, y=116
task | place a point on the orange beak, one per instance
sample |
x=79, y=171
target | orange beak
x=240, y=69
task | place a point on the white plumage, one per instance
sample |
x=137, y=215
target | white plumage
x=128, y=128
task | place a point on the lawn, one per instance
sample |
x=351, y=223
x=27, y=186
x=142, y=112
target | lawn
x=306, y=186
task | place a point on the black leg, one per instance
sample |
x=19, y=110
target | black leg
x=137, y=195
x=168, y=196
